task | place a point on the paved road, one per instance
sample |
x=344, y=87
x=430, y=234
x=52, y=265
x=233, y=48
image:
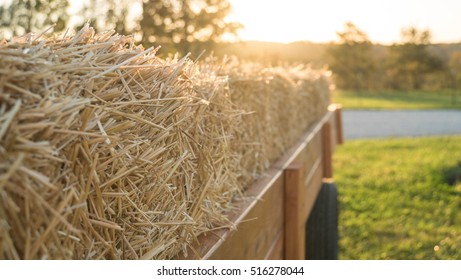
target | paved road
x=382, y=124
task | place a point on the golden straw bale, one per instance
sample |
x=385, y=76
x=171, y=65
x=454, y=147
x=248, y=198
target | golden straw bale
x=108, y=152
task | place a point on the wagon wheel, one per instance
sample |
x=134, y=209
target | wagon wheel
x=322, y=225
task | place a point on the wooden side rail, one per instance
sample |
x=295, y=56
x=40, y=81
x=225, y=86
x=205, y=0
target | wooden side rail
x=294, y=216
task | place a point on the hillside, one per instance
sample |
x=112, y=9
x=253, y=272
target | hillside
x=305, y=52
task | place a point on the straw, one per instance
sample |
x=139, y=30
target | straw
x=109, y=152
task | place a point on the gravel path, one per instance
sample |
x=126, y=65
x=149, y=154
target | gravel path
x=382, y=124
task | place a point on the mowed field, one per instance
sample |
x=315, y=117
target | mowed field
x=391, y=100
x=400, y=198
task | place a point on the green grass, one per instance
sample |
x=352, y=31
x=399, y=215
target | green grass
x=395, y=199
x=397, y=99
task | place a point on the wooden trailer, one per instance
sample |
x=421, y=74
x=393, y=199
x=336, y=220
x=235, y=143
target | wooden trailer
x=272, y=223
x=110, y=152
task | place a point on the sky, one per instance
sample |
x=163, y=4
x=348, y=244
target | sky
x=318, y=20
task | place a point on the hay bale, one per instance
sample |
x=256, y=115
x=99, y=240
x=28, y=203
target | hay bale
x=108, y=152
x=279, y=105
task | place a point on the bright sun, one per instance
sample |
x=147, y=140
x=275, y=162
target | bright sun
x=297, y=20
x=269, y=21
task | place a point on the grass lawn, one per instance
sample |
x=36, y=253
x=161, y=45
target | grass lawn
x=395, y=201
x=397, y=99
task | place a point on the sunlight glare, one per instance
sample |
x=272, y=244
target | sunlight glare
x=318, y=21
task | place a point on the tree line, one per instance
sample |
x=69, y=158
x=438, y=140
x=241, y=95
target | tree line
x=195, y=25
x=409, y=64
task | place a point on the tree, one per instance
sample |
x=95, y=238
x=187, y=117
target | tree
x=455, y=74
x=190, y=24
x=111, y=15
x=22, y=16
x=411, y=61
x=455, y=67
x=352, y=60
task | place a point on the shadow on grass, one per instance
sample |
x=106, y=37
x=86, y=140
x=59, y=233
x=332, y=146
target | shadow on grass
x=452, y=175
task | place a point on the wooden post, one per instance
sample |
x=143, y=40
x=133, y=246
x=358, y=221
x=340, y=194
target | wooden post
x=295, y=230
x=327, y=151
x=339, y=124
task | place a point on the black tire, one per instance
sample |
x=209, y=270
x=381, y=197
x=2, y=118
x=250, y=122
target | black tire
x=322, y=226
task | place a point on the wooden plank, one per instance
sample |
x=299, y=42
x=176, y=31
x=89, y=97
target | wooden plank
x=294, y=224
x=327, y=151
x=310, y=152
x=255, y=236
x=339, y=125
x=277, y=251
x=333, y=124
x=336, y=125
x=312, y=187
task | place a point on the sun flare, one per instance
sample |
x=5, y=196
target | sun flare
x=317, y=21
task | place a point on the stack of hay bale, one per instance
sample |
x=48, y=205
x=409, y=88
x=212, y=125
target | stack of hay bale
x=108, y=152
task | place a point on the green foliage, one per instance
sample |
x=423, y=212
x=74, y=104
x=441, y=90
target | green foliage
x=397, y=99
x=190, y=24
x=22, y=16
x=411, y=61
x=395, y=201
x=110, y=15
x=183, y=26
x=454, y=65
x=352, y=61
x=408, y=65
